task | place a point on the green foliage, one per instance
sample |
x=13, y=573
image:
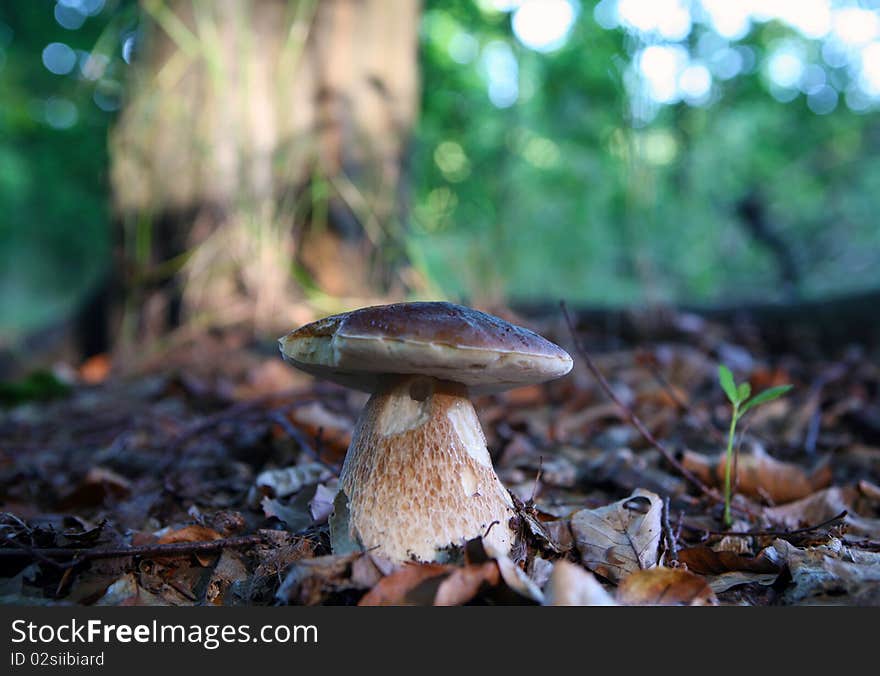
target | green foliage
x=738, y=395
x=565, y=193
x=54, y=230
x=36, y=386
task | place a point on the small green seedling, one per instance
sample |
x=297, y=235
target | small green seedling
x=739, y=399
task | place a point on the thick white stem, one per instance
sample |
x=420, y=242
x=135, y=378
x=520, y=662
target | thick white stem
x=418, y=476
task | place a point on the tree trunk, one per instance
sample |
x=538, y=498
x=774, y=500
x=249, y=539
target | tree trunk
x=261, y=138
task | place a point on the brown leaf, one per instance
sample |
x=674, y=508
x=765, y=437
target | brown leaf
x=822, y=506
x=620, y=538
x=192, y=533
x=571, y=585
x=95, y=369
x=665, y=587
x=310, y=581
x=465, y=583
x=230, y=568
x=410, y=585
x=707, y=561
x=761, y=476
x=96, y=486
x=335, y=430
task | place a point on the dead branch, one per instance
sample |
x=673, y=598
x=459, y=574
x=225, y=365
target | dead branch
x=49, y=554
x=779, y=533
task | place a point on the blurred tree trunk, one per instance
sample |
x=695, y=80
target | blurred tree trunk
x=262, y=142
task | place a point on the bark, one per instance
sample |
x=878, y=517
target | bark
x=258, y=135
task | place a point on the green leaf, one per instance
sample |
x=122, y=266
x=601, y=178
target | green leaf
x=725, y=377
x=743, y=391
x=765, y=396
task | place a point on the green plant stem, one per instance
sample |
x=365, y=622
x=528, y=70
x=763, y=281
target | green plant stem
x=733, y=419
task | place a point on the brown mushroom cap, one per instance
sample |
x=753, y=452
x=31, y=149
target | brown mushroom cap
x=446, y=341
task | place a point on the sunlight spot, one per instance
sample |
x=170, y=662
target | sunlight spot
x=59, y=58
x=785, y=67
x=543, y=25
x=729, y=19
x=69, y=16
x=695, y=83
x=502, y=73
x=660, y=65
x=854, y=26
x=869, y=78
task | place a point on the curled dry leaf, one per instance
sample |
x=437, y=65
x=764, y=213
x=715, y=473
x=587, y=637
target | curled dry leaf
x=726, y=569
x=665, y=587
x=193, y=533
x=571, y=585
x=620, y=538
x=830, y=574
x=463, y=584
x=761, y=476
x=411, y=584
x=279, y=483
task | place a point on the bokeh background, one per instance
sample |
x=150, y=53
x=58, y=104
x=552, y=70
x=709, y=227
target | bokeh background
x=172, y=162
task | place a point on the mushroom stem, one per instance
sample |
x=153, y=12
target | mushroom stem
x=418, y=476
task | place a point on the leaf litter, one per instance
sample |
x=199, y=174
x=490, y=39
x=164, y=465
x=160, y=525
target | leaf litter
x=194, y=481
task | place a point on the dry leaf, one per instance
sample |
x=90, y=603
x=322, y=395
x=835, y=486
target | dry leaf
x=309, y=581
x=571, y=585
x=321, y=505
x=193, y=533
x=95, y=369
x=412, y=584
x=665, y=587
x=822, y=506
x=516, y=579
x=830, y=574
x=706, y=561
x=315, y=419
x=761, y=476
x=279, y=483
x=726, y=569
x=96, y=486
x=230, y=568
x=463, y=584
x=619, y=538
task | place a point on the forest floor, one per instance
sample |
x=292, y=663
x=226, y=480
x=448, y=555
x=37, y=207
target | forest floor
x=206, y=475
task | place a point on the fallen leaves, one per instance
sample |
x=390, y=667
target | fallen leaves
x=665, y=587
x=620, y=538
x=571, y=585
x=759, y=475
x=183, y=458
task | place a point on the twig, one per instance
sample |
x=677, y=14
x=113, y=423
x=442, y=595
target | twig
x=632, y=417
x=779, y=533
x=671, y=547
x=49, y=554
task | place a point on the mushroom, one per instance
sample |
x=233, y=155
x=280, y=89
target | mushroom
x=417, y=475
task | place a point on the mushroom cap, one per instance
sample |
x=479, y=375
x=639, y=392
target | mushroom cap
x=359, y=349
